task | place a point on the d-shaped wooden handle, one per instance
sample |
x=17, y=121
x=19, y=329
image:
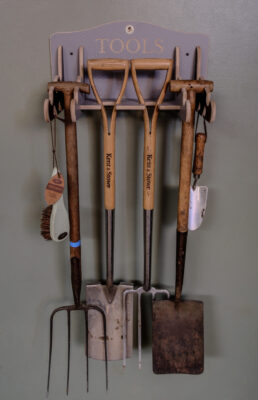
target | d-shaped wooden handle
x=109, y=64
x=150, y=131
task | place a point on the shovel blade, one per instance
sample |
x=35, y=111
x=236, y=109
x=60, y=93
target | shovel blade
x=177, y=337
x=113, y=308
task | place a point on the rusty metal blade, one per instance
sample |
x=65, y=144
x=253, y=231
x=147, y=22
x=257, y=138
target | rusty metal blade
x=177, y=337
x=97, y=295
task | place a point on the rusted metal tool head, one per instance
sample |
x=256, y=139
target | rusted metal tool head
x=98, y=294
x=85, y=309
x=139, y=291
x=177, y=341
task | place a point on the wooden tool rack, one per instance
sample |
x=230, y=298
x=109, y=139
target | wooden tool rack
x=70, y=52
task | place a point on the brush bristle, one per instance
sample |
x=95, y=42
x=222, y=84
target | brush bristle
x=45, y=223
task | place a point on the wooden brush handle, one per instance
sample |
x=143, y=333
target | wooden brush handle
x=150, y=131
x=109, y=132
x=200, y=140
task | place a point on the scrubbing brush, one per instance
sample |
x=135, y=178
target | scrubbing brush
x=54, y=224
x=54, y=220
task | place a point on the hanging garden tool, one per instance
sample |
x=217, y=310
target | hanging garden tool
x=54, y=219
x=178, y=345
x=148, y=185
x=67, y=89
x=109, y=296
x=198, y=194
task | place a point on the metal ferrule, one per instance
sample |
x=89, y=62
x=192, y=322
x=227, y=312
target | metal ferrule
x=148, y=217
x=181, y=240
x=110, y=222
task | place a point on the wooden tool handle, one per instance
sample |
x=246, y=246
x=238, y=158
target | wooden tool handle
x=107, y=64
x=186, y=167
x=151, y=63
x=109, y=168
x=149, y=171
x=73, y=197
x=150, y=131
x=184, y=194
x=200, y=140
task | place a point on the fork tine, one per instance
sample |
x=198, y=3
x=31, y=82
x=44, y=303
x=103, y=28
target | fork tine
x=87, y=349
x=139, y=332
x=50, y=352
x=69, y=349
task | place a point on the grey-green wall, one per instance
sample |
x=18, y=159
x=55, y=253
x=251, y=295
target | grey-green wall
x=222, y=255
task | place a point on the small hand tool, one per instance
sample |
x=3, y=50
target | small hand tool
x=177, y=328
x=148, y=187
x=109, y=296
x=66, y=89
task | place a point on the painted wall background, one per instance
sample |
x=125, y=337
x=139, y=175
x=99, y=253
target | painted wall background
x=222, y=260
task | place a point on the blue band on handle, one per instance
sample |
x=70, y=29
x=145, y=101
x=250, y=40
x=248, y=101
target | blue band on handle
x=75, y=244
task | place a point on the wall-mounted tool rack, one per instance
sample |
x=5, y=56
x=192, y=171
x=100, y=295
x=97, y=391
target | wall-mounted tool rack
x=69, y=53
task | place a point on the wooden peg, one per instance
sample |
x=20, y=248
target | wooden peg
x=80, y=77
x=198, y=63
x=59, y=76
x=185, y=112
x=49, y=111
x=177, y=63
x=209, y=112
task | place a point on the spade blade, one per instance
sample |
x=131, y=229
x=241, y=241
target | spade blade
x=113, y=308
x=177, y=337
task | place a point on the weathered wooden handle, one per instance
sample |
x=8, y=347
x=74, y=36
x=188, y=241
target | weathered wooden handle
x=197, y=85
x=151, y=63
x=184, y=194
x=73, y=196
x=107, y=64
x=200, y=140
x=185, y=167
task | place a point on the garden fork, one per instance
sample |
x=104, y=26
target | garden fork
x=148, y=188
x=67, y=90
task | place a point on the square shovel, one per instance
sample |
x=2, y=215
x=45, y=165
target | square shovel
x=177, y=326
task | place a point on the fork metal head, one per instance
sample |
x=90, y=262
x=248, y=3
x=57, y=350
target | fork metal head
x=84, y=308
x=139, y=291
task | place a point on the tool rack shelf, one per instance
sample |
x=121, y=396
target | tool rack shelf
x=69, y=53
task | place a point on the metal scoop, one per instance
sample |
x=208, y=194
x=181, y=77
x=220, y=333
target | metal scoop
x=148, y=188
x=109, y=296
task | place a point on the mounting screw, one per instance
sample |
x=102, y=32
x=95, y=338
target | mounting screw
x=129, y=29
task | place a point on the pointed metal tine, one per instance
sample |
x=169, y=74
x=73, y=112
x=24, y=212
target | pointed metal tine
x=87, y=349
x=139, y=332
x=50, y=351
x=124, y=329
x=68, y=349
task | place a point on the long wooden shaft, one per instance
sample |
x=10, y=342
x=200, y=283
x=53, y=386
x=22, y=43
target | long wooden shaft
x=184, y=194
x=73, y=197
